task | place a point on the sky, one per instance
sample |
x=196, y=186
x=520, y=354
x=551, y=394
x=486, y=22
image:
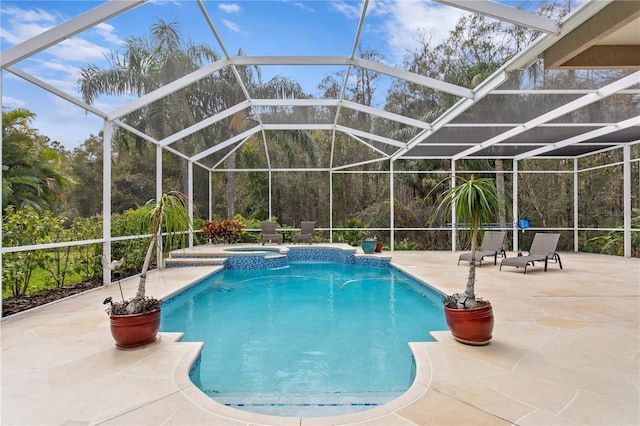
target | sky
x=259, y=27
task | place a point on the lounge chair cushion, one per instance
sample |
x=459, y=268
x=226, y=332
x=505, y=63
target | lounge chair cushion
x=543, y=249
x=492, y=245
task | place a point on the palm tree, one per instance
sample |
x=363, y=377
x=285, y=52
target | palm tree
x=146, y=65
x=475, y=202
x=31, y=169
x=149, y=63
x=168, y=214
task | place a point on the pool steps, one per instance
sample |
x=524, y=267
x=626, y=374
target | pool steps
x=181, y=258
x=258, y=257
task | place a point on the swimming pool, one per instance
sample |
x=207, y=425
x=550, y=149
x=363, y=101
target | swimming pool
x=310, y=339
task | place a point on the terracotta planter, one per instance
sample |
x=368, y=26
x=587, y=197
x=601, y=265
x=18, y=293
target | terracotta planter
x=379, y=247
x=132, y=331
x=471, y=326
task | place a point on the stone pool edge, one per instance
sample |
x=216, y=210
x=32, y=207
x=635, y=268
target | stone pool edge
x=422, y=380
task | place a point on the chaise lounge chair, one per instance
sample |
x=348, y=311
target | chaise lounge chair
x=306, y=231
x=269, y=233
x=543, y=248
x=492, y=245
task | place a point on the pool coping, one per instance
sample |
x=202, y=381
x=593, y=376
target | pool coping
x=419, y=386
x=550, y=360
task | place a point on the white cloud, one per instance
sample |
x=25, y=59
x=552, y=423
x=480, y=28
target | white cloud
x=8, y=101
x=163, y=2
x=349, y=9
x=402, y=20
x=22, y=24
x=20, y=32
x=78, y=50
x=231, y=25
x=230, y=7
x=58, y=66
x=66, y=123
x=302, y=5
x=29, y=15
x=107, y=32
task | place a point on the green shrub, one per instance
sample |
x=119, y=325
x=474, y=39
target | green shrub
x=613, y=242
x=351, y=237
x=21, y=228
x=405, y=244
x=134, y=250
x=56, y=261
x=88, y=258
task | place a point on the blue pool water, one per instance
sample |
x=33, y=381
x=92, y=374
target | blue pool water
x=288, y=341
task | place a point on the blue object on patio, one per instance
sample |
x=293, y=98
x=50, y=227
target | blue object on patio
x=368, y=246
x=524, y=224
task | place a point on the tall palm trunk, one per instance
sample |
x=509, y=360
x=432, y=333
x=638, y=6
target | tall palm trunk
x=140, y=294
x=469, y=293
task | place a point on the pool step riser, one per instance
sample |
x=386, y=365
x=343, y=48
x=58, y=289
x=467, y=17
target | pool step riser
x=173, y=262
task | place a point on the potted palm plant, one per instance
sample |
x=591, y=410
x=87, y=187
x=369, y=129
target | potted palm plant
x=135, y=322
x=475, y=202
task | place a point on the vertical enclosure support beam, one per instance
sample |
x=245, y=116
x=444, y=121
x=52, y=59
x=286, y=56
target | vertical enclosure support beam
x=210, y=197
x=1, y=173
x=516, y=213
x=158, y=195
x=106, y=201
x=190, y=200
x=392, y=210
x=576, y=244
x=626, y=172
x=331, y=205
x=270, y=210
x=454, y=224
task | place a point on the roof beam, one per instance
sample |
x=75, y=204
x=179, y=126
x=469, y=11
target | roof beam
x=244, y=135
x=309, y=126
x=442, y=86
x=49, y=88
x=635, y=121
x=581, y=102
x=366, y=135
x=439, y=85
x=506, y=13
x=148, y=138
x=230, y=153
x=290, y=60
x=361, y=163
x=66, y=30
x=212, y=27
x=347, y=104
x=168, y=89
x=385, y=114
x=344, y=129
x=368, y=145
x=611, y=18
x=495, y=80
x=204, y=123
x=295, y=102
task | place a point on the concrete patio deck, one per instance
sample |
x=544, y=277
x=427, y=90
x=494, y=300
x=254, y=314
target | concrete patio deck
x=565, y=351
